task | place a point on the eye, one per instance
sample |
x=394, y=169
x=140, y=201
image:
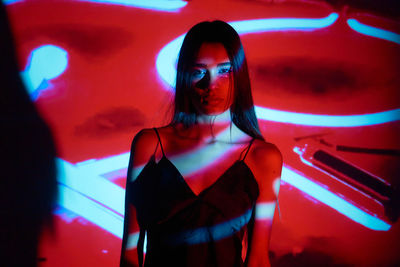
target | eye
x=224, y=70
x=198, y=73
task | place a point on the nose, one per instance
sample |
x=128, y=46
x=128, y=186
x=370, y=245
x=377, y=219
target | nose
x=209, y=81
x=204, y=83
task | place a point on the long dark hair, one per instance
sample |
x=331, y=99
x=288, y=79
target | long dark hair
x=242, y=109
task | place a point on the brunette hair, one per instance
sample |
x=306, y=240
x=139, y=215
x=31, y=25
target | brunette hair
x=242, y=109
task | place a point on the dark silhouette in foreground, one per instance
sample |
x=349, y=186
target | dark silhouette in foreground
x=28, y=169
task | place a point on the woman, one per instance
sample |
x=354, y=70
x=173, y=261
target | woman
x=207, y=193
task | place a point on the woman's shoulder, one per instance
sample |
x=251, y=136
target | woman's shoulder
x=146, y=139
x=143, y=145
x=264, y=158
x=147, y=135
x=265, y=161
x=265, y=151
x=144, y=136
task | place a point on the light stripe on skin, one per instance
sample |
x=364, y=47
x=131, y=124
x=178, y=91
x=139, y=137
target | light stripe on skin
x=206, y=234
x=106, y=219
x=117, y=162
x=314, y=120
x=265, y=210
x=98, y=189
x=133, y=239
x=189, y=162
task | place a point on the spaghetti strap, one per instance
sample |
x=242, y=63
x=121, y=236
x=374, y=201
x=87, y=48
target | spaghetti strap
x=248, y=149
x=159, y=141
x=279, y=210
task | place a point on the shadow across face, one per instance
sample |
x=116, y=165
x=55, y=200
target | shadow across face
x=211, y=80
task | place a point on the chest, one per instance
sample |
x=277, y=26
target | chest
x=204, y=166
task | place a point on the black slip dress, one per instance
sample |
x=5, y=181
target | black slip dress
x=185, y=229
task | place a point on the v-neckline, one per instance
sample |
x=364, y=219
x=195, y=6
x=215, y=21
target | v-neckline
x=202, y=192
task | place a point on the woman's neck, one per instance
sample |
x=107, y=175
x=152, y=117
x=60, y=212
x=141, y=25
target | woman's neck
x=219, y=120
x=216, y=128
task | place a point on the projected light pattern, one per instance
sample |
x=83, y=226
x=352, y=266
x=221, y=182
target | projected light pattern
x=300, y=151
x=327, y=120
x=156, y=5
x=102, y=202
x=206, y=234
x=132, y=241
x=373, y=31
x=93, y=185
x=86, y=188
x=330, y=199
x=9, y=2
x=166, y=62
x=46, y=62
x=90, y=210
x=283, y=24
x=166, y=59
x=265, y=210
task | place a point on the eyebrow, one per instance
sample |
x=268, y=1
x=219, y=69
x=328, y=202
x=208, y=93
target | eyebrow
x=219, y=65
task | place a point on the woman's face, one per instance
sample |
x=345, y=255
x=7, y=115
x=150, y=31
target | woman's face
x=211, y=79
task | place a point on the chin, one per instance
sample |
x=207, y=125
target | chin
x=212, y=111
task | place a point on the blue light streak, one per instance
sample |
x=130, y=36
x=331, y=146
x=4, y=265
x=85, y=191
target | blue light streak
x=45, y=63
x=90, y=210
x=300, y=152
x=166, y=59
x=9, y=2
x=156, y=5
x=335, y=202
x=101, y=202
x=207, y=234
x=327, y=120
x=102, y=166
x=265, y=211
x=373, y=31
x=132, y=241
x=90, y=196
x=166, y=62
x=91, y=185
x=283, y=24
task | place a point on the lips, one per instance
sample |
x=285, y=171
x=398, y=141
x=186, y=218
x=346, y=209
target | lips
x=210, y=100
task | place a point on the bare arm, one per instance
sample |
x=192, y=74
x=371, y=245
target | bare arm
x=143, y=146
x=266, y=164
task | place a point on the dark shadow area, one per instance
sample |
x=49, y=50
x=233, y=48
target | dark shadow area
x=111, y=121
x=311, y=77
x=387, y=8
x=306, y=258
x=28, y=170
